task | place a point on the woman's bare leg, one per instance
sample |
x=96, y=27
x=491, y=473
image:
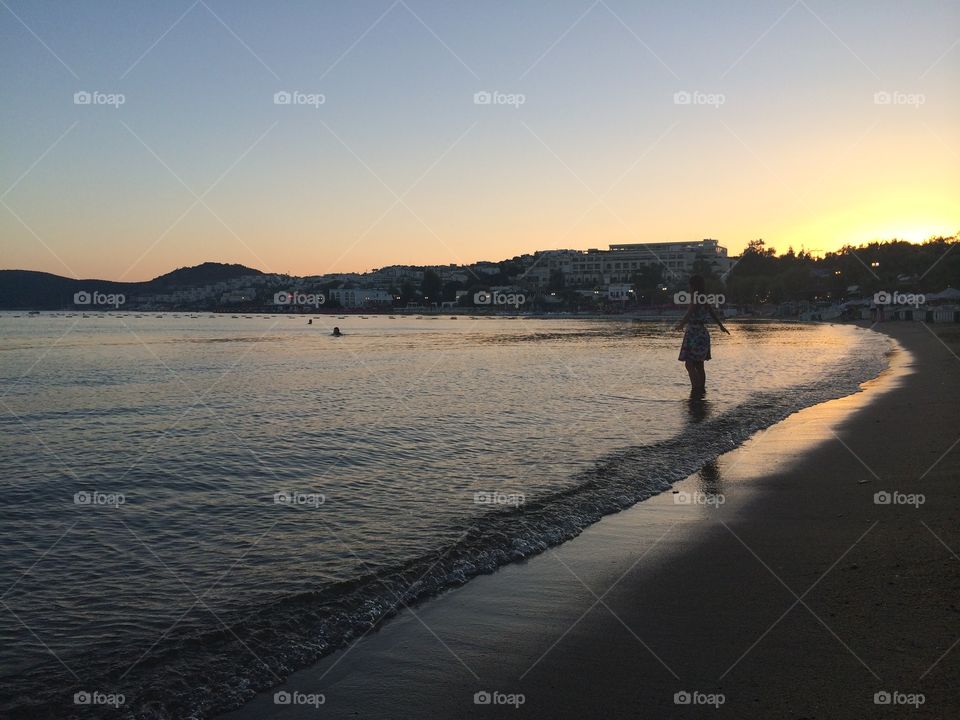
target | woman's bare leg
x=698, y=378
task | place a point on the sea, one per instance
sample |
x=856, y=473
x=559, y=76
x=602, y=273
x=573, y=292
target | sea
x=195, y=506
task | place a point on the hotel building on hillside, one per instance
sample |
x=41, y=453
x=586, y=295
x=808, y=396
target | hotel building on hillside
x=620, y=262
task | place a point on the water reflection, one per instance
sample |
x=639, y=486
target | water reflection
x=698, y=409
x=710, y=479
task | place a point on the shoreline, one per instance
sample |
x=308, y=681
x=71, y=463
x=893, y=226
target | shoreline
x=500, y=624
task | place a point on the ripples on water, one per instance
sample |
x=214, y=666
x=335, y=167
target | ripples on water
x=200, y=588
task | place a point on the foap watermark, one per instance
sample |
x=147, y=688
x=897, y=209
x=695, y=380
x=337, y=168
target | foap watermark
x=315, y=700
x=895, y=697
x=685, y=298
x=97, y=697
x=898, y=298
x=895, y=97
x=499, y=298
x=695, y=697
x=494, y=97
x=98, y=298
x=494, y=697
x=695, y=97
x=289, y=297
x=898, y=498
x=698, y=498
x=95, y=497
x=496, y=497
x=84, y=97
x=296, y=97
x=313, y=500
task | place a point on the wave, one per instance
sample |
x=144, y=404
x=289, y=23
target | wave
x=202, y=675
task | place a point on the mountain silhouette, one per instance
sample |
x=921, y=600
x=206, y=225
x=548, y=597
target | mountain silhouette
x=31, y=290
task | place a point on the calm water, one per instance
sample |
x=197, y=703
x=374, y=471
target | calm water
x=200, y=587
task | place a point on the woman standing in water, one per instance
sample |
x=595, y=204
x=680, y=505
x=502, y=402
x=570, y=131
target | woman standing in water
x=695, y=349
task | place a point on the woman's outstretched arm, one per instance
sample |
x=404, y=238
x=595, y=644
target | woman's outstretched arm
x=716, y=318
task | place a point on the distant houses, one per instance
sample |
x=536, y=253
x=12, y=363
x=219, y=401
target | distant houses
x=548, y=278
x=623, y=278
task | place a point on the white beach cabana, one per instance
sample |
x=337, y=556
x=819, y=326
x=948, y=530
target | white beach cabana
x=943, y=307
x=948, y=295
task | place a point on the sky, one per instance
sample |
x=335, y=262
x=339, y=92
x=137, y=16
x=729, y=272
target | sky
x=449, y=131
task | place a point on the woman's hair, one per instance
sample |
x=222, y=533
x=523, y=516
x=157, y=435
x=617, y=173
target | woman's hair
x=697, y=284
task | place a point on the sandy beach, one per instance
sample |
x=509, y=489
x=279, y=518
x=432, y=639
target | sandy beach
x=773, y=583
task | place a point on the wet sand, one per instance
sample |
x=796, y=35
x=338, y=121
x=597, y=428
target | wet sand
x=797, y=597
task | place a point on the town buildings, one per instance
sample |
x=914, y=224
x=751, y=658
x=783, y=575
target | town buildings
x=607, y=275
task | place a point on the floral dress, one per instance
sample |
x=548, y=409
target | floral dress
x=696, y=338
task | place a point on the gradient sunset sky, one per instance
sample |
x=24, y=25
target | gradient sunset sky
x=811, y=124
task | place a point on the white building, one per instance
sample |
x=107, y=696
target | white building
x=361, y=297
x=395, y=275
x=621, y=262
x=547, y=262
x=455, y=276
x=486, y=268
x=238, y=296
x=620, y=292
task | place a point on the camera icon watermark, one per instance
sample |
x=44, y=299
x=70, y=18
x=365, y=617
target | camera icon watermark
x=95, y=497
x=494, y=697
x=898, y=498
x=315, y=700
x=296, y=97
x=695, y=697
x=895, y=697
x=887, y=97
x=698, y=298
x=288, y=297
x=898, y=298
x=85, y=97
x=495, y=497
x=699, y=498
x=83, y=297
x=96, y=697
x=499, y=298
x=695, y=97
x=313, y=500
x=488, y=97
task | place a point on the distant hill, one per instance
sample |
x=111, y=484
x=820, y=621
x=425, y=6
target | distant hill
x=204, y=274
x=31, y=290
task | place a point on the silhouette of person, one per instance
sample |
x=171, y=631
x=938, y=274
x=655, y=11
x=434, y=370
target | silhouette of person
x=336, y=332
x=695, y=348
